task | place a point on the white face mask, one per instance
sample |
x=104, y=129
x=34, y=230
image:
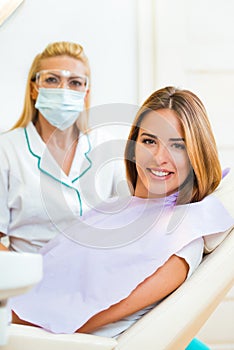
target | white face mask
x=60, y=107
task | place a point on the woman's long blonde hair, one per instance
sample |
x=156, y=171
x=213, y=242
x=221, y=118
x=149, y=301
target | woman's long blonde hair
x=199, y=140
x=62, y=48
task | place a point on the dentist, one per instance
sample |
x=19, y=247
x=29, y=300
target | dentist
x=51, y=163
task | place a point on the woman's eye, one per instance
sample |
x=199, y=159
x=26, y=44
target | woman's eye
x=179, y=146
x=148, y=141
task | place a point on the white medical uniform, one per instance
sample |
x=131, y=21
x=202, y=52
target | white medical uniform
x=38, y=198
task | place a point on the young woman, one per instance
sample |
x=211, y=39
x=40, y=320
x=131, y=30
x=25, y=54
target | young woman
x=48, y=167
x=120, y=260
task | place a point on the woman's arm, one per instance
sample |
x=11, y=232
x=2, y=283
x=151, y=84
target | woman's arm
x=154, y=288
x=2, y=247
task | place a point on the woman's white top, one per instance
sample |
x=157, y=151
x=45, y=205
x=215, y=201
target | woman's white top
x=37, y=196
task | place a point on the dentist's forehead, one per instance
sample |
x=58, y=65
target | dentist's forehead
x=63, y=63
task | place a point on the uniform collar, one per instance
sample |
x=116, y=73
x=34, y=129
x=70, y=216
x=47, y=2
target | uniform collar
x=47, y=164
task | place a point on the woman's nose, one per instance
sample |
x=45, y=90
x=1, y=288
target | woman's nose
x=161, y=154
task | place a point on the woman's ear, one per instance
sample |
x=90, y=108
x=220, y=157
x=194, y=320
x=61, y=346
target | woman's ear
x=33, y=91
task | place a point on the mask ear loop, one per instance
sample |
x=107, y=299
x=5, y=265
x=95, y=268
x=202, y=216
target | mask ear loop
x=33, y=89
x=35, y=81
x=87, y=84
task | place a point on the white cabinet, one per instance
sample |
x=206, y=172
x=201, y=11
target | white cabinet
x=19, y=273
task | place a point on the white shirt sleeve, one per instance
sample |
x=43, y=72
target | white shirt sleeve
x=192, y=253
x=4, y=185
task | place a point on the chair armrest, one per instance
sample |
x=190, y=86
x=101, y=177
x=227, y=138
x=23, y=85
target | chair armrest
x=28, y=338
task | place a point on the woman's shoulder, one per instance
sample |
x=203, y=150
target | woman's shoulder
x=192, y=253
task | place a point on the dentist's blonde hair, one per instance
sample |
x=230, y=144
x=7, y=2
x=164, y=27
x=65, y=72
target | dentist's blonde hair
x=62, y=48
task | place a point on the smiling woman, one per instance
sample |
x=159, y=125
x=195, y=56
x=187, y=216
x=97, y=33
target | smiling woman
x=7, y=7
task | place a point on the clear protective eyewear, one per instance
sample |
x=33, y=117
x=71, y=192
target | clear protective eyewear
x=56, y=78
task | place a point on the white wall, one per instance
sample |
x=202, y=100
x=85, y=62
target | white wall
x=195, y=50
x=106, y=29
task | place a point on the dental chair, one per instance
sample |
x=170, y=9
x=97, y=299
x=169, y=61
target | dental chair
x=174, y=322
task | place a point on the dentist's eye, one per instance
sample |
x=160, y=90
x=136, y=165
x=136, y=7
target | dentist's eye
x=75, y=82
x=51, y=80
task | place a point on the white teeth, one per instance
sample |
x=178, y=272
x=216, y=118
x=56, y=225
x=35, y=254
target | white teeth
x=159, y=173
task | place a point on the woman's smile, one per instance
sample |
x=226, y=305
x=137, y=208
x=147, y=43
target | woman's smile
x=159, y=173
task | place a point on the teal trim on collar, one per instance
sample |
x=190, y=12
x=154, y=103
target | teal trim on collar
x=53, y=177
x=88, y=159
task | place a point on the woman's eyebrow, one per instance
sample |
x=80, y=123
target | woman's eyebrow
x=149, y=135
x=155, y=137
x=176, y=139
